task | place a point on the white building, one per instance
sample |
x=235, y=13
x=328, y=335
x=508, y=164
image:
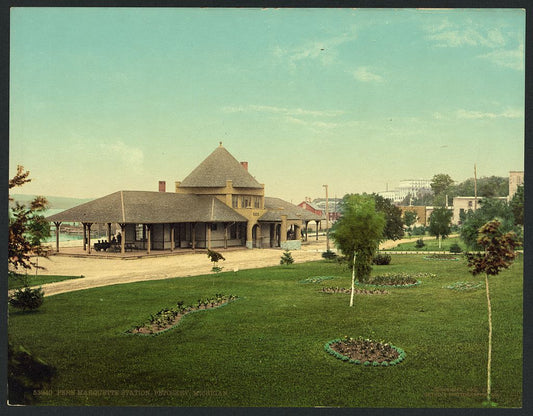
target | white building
x=406, y=187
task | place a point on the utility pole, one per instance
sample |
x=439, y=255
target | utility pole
x=475, y=188
x=327, y=218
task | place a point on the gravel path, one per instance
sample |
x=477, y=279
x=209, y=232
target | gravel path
x=104, y=272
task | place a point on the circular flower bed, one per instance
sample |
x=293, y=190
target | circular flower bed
x=356, y=291
x=365, y=352
x=316, y=279
x=395, y=280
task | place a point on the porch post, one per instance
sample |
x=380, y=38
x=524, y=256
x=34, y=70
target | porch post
x=283, y=230
x=317, y=223
x=209, y=226
x=89, y=224
x=84, y=236
x=108, y=232
x=306, y=229
x=172, y=237
x=57, y=224
x=122, y=238
x=193, y=235
x=148, y=237
x=225, y=235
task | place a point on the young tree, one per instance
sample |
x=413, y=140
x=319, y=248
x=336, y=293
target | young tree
x=215, y=257
x=393, y=215
x=439, y=223
x=498, y=254
x=27, y=228
x=358, y=233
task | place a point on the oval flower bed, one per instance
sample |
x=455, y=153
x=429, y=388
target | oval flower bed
x=452, y=257
x=168, y=318
x=464, y=286
x=356, y=291
x=316, y=279
x=365, y=352
x=395, y=280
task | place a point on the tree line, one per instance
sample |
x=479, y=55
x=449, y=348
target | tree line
x=442, y=186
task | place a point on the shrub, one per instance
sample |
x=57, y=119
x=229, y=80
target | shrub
x=329, y=255
x=25, y=375
x=382, y=259
x=419, y=243
x=27, y=298
x=286, y=258
x=455, y=248
x=418, y=230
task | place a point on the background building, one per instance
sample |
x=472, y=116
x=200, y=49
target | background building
x=406, y=187
x=516, y=178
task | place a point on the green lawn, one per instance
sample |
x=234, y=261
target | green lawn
x=267, y=348
x=431, y=244
x=16, y=281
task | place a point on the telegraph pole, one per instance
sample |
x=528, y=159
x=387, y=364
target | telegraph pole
x=475, y=188
x=327, y=218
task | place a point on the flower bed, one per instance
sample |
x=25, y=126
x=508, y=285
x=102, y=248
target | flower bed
x=356, y=291
x=168, y=318
x=365, y=352
x=452, y=257
x=316, y=279
x=463, y=286
x=395, y=280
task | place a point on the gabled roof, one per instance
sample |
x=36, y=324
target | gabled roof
x=216, y=169
x=143, y=207
x=311, y=204
x=277, y=207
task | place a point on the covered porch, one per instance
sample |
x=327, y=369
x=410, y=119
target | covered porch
x=154, y=221
x=133, y=239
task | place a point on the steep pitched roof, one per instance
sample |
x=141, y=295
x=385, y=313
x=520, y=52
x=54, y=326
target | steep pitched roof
x=140, y=207
x=216, y=169
x=276, y=207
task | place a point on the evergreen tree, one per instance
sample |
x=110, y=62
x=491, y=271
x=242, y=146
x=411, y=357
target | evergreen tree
x=286, y=258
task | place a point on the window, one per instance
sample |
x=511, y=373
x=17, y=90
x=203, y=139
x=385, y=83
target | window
x=235, y=201
x=233, y=231
x=139, y=232
x=257, y=202
x=469, y=204
x=246, y=202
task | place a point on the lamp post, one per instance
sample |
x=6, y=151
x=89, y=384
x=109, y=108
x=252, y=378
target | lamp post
x=327, y=218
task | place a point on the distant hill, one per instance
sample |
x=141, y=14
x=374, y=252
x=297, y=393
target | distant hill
x=55, y=202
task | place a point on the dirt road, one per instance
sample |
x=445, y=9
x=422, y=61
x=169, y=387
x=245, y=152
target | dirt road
x=104, y=272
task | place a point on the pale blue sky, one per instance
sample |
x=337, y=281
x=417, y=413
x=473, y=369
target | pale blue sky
x=106, y=99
